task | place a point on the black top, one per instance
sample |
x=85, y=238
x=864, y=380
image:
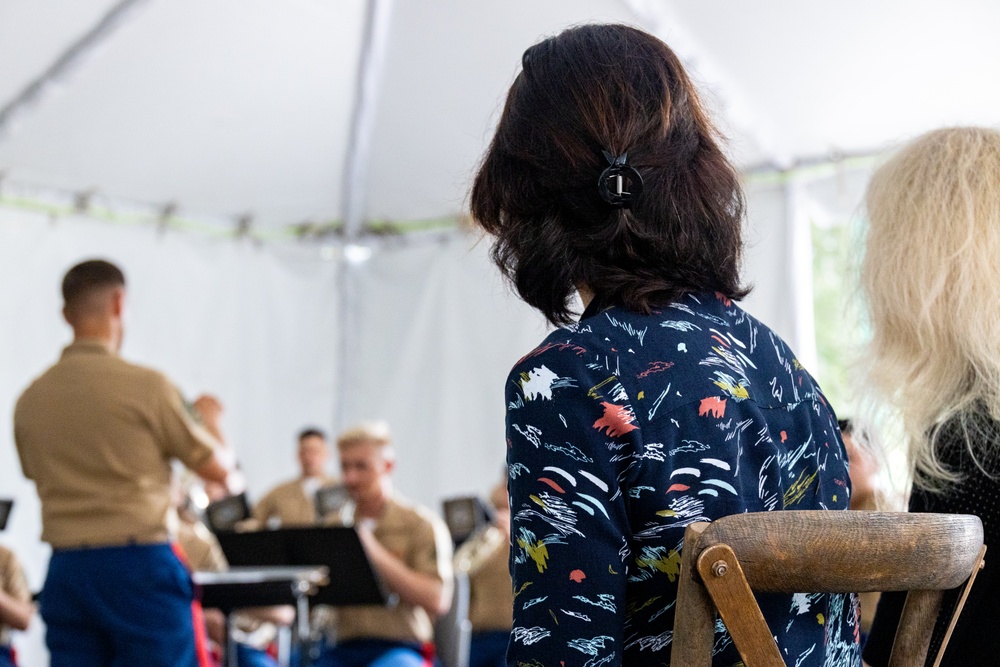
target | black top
x=976, y=640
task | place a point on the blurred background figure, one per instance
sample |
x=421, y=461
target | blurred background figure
x=16, y=608
x=408, y=547
x=207, y=411
x=484, y=558
x=865, y=468
x=929, y=278
x=293, y=503
x=97, y=435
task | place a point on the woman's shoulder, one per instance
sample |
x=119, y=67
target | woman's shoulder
x=629, y=334
x=700, y=345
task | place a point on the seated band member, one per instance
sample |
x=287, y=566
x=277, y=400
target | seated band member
x=97, y=435
x=407, y=545
x=293, y=503
x=484, y=557
x=16, y=609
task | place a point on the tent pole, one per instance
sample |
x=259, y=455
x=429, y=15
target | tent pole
x=354, y=188
x=370, y=69
x=64, y=64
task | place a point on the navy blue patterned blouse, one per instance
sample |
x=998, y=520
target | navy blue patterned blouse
x=625, y=428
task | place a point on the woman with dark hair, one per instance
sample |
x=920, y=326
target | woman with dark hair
x=665, y=404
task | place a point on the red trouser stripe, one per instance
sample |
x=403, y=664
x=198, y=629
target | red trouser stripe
x=197, y=616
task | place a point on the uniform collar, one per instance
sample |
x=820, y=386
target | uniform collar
x=89, y=346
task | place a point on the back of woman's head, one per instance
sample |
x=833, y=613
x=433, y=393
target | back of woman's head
x=614, y=89
x=930, y=280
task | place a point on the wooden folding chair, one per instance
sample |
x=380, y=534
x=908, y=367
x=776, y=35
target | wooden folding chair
x=819, y=551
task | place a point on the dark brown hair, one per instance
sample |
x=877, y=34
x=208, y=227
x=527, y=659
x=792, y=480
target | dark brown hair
x=86, y=277
x=608, y=88
x=312, y=432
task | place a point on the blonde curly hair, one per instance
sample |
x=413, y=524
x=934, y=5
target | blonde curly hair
x=932, y=289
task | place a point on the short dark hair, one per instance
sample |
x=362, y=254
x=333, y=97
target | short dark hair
x=312, y=432
x=609, y=88
x=86, y=277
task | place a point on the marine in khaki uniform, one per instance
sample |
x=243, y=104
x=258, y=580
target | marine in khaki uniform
x=97, y=435
x=15, y=603
x=293, y=503
x=484, y=558
x=407, y=545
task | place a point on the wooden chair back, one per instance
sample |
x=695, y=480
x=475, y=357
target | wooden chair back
x=819, y=551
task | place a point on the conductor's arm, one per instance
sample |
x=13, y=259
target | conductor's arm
x=187, y=440
x=212, y=470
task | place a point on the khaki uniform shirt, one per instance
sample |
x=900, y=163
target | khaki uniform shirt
x=419, y=539
x=491, y=595
x=289, y=504
x=13, y=583
x=97, y=434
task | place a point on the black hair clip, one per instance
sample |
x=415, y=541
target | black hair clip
x=611, y=183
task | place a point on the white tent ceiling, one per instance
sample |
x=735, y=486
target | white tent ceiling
x=233, y=107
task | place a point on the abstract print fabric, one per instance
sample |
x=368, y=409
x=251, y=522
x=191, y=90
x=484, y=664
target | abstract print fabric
x=623, y=429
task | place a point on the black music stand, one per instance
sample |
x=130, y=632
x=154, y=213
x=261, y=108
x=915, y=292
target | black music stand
x=352, y=579
x=224, y=514
x=464, y=516
x=331, y=500
x=5, y=506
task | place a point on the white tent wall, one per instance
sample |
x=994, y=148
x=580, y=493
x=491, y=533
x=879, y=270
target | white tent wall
x=255, y=325
x=437, y=334
x=777, y=264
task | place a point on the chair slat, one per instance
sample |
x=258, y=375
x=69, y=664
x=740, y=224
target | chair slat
x=850, y=552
